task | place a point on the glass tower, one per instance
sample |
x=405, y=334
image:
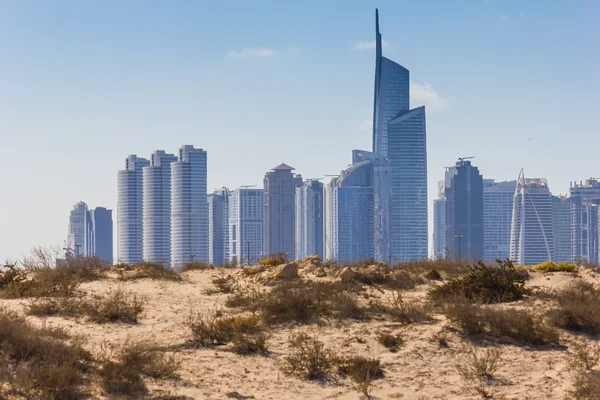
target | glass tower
x=399, y=135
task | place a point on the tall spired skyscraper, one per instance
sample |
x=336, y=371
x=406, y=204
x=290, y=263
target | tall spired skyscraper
x=399, y=135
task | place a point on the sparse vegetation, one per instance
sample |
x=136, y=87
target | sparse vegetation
x=274, y=260
x=586, y=386
x=222, y=284
x=584, y=355
x=308, y=357
x=479, y=364
x=196, y=266
x=433, y=275
x=146, y=270
x=550, y=266
x=123, y=369
x=484, y=284
x=384, y=276
x=520, y=325
x=362, y=371
x=390, y=341
x=578, y=306
x=403, y=311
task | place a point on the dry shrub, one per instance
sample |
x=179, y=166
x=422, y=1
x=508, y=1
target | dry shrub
x=449, y=268
x=382, y=275
x=584, y=356
x=390, y=342
x=146, y=269
x=433, y=275
x=484, y=284
x=196, y=266
x=41, y=362
x=298, y=301
x=222, y=284
x=123, y=369
x=361, y=370
x=520, y=325
x=578, y=308
x=117, y=305
x=441, y=338
x=403, y=311
x=274, y=260
x=586, y=386
x=308, y=357
x=250, y=343
x=479, y=364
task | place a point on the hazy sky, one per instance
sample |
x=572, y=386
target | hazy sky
x=256, y=83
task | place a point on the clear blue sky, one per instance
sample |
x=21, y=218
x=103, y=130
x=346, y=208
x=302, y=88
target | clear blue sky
x=256, y=83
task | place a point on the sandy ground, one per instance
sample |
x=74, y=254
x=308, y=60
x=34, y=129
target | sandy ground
x=421, y=369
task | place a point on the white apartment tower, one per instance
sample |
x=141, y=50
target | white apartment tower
x=80, y=239
x=309, y=219
x=218, y=227
x=246, y=220
x=439, y=223
x=156, y=180
x=189, y=209
x=531, y=236
x=129, y=210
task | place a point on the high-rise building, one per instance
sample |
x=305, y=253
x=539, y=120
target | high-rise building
x=497, y=218
x=280, y=193
x=218, y=227
x=464, y=211
x=439, y=223
x=80, y=238
x=102, y=227
x=246, y=225
x=561, y=226
x=399, y=134
x=349, y=219
x=129, y=210
x=156, y=223
x=309, y=219
x=189, y=215
x=531, y=236
x=584, y=198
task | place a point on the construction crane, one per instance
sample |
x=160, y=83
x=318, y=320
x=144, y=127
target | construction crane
x=332, y=175
x=465, y=158
x=248, y=186
x=314, y=179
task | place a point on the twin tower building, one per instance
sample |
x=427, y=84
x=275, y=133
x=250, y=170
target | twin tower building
x=375, y=209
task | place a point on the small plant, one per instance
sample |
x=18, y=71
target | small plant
x=196, y=266
x=250, y=343
x=117, y=305
x=586, y=386
x=308, y=357
x=403, y=311
x=391, y=342
x=484, y=284
x=441, y=338
x=549, y=266
x=362, y=371
x=274, y=260
x=146, y=270
x=584, y=356
x=479, y=364
x=224, y=285
x=433, y=275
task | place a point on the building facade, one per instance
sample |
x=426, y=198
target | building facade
x=102, y=227
x=189, y=208
x=246, y=226
x=218, y=227
x=399, y=134
x=439, y=223
x=310, y=226
x=280, y=194
x=584, y=198
x=497, y=218
x=349, y=209
x=129, y=210
x=531, y=236
x=561, y=225
x=156, y=214
x=80, y=237
x=464, y=211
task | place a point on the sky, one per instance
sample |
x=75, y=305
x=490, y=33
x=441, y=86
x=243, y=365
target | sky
x=513, y=83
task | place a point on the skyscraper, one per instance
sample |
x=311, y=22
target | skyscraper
x=156, y=224
x=218, y=227
x=102, y=226
x=129, y=210
x=349, y=219
x=439, y=223
x=280, y=193
x=189, y=216
x=464, y=211
x=80, y=238
x=497, y=218
x=399, y=134
x=531, y=235
x=561, y=225
x=246, y=225
x=584, y=196
x=309, y=219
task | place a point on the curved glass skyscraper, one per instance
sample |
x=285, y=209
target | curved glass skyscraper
x=399, y=134
x=157, y=207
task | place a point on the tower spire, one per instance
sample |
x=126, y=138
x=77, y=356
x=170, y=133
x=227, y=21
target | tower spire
x=377, y=20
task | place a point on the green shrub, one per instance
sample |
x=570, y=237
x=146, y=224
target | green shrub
x=484, y=284
x=549, y=266
x=274, y=260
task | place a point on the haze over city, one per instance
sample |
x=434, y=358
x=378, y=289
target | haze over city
x=511, y=83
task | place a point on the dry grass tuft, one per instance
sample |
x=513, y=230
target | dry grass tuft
x=308, y=358
x=403, y=311
x=479, y=364
x=584, y=355
x=586, y=386
x=362, y=371
x=578, y=308
x=197, y=266
x=146, y=270
x=390, y=342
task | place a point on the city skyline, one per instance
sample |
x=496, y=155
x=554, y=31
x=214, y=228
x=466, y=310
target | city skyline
x=114, y=122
